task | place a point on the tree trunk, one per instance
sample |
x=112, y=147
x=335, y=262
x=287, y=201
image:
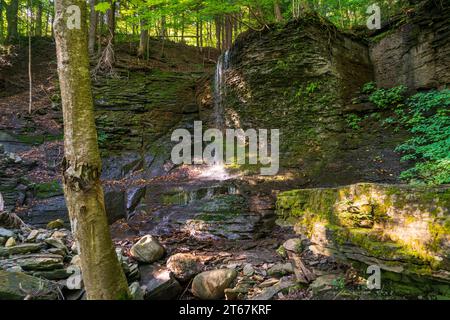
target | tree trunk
x=277, y=9
x=111, y=17
x=93, y=17
x=143, y=39
x=102, y=274
x=228, y=32
x=11, y=18
x=38, y=28
x=218, y=33
x=2, y=33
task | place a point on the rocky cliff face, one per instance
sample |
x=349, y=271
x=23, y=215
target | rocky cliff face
x=301, y=79
x=416, y=53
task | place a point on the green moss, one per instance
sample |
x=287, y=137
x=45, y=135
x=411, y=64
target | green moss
x=48, y=190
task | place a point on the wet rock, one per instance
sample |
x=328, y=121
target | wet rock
x=147, y=250
x=55, y=224
x=211, y=285
x=281, y=269
x=18, y=286
x=184, y=266
x=11, y=242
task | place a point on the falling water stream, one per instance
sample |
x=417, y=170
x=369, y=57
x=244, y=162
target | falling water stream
x=218, y=171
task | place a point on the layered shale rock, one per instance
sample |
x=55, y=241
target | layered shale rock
x=416, y=51
x=301, y=79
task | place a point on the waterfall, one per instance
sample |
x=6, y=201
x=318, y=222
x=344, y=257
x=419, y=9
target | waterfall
x=218, y=171
x=219, y=85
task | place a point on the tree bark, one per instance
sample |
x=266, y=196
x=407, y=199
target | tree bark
x=38, y=28
x=93, y=17
x=218, y=33
x=277, y=9
x=102, y=274
x=11, y=18
x=143, y=39
x=1, y=21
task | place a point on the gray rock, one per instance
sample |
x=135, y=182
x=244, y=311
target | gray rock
x=115, y=204
x=323, y=283
x=211, y=285
x=40, y=262
x=184, y=266
x=248, y=270
x=136, y=291
x=25, y=248
x=294, y=245
x=32, y=236
x=17, y=286
x=6, y=233
x=281, y=269
x=269, y=292
x=147, y=250
x=56, y=243
x=58, y=274
x=162, y=286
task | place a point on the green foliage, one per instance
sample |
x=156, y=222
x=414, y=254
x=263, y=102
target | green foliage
x=386, y=98
x=102, y=137
x=102, y=7
x=369, y=87
x=427, y=117
x=353, y=121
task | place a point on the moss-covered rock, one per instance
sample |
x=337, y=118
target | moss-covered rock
x=403, y=229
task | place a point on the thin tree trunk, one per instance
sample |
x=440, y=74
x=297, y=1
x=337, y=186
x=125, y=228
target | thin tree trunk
x=277, y=10
x=93, y=17
x=30, y=75
x=38, y=28
x=11, y=17
x=228, y=32
x=143, y=39
x=2, y=32
x=102, y=274
x=218, y=33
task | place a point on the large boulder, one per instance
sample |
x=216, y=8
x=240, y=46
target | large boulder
x=211, y=285
x=147, y=249
x=184, y=266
